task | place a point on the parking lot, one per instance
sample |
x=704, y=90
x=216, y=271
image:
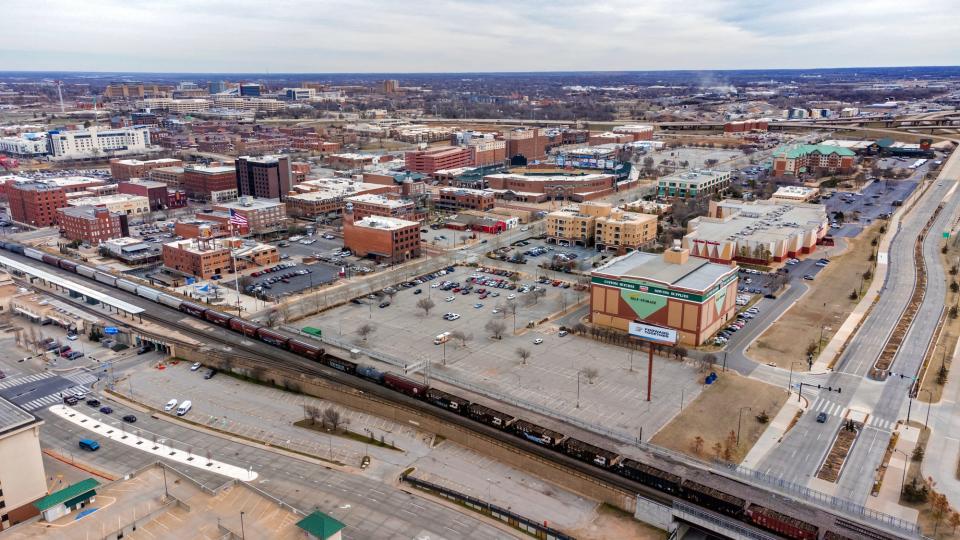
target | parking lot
x=695, y=157
x=537, y=365
x=871, y=203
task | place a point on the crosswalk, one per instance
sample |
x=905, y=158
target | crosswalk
x=836, y=409
x=24, y=379
x=82, y=380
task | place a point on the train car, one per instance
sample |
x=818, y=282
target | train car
x=589, y=453
x=650, y=476
x=128, y=286
x=86, y=271
x=404, y=385
x=371, y=373
x=169, y=301
x=68, y=265
x=150, y=294
x=50, y=259
x=17, y=248
x=273, y=338
x=537, y=434
x=489, y=416
x=447, y=400
x=106, y=278
x=305, y=349
x=221, y=319
x=33, y=253
x=192, y=309
x=713, y=499
x=340, y=364
x=781, y=524
x=246, y=328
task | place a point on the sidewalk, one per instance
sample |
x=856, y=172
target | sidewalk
x=775, y=431
x=888, y=500
x=943, y=447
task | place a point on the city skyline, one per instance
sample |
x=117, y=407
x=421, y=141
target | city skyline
x=463, y=37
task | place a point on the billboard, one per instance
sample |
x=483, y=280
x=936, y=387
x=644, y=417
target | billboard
x=656, y=334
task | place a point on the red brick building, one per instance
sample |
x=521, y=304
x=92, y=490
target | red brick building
x=380, y=205
x=35, y=203
x=125, y=169
x=155, y=192
x=385, y=239
x=207, y=183
x=92, y=224
x=743, y=126
x=464, y=199
x=428, y=161
x=484, y=152
x=529, y=143
x=267, y=177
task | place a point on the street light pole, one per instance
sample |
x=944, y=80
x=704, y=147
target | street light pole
x=578, y=388
x=929, y=402
x=739, y=416
x=903, y=476
x=790, y=381
x=243, y=534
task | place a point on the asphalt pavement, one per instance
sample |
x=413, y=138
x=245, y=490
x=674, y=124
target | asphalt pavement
x=802, y=450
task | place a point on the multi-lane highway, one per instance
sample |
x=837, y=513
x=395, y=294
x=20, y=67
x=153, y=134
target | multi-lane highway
x=797, y=458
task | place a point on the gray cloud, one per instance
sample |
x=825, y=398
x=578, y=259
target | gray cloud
x=467, y=35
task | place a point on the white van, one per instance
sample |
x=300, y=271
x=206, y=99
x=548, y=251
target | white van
x=442, y=338
x=184, y=408
x=171, y=405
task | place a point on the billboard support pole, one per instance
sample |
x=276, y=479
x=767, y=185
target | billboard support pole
x=650, y=372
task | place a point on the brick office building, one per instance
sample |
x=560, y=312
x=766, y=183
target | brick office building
x=125, y=169
x=92, y=224
x=428, y=161
x=380, y=205
x=453, y=199
x=210, y=183
x=155, y=192
x=35, y=203
x=529, y=143
x=385, y=239
x=267, y=177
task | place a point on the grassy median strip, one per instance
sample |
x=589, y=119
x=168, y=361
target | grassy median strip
x=344, y=433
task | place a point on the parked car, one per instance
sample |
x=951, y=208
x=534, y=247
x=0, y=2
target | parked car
x=171, y=405
x=195, y=366
x=538, y=341
x=210, y=374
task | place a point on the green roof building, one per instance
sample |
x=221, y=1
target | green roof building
x=321, y=526
x=796, y=159
x=60, y=503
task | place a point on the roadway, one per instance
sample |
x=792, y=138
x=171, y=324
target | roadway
x=797, y=458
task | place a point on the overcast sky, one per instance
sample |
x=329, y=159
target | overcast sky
x=320, y=36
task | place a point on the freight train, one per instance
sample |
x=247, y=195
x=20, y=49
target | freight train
x=652, y=477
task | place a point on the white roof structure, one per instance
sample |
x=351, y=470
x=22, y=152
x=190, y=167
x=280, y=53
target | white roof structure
x=31, y=270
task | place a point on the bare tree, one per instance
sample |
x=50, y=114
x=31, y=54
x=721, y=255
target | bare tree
x=591, y=374
x=495, y=328
x=707, y=361
x=332, y=418
x=311, y=412
x=274, y=318
x=426, y=305
x=510, y=308
x=524, y=354
x=462, y=336
x=365, y=330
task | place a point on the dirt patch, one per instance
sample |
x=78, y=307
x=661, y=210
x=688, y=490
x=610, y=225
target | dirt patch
x=713, y=418
x=612, y=522
x=820, y=312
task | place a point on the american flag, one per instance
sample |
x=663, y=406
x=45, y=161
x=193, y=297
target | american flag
x=238, y=219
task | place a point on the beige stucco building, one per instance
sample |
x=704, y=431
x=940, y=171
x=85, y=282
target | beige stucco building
x=22, y=477
x=601, y=224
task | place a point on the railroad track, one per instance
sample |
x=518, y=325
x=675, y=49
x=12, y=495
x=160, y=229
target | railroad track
x=295, y=366
x=896, y=338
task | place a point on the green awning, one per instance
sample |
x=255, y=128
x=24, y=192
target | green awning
x=320, y=525
x=67, y=494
